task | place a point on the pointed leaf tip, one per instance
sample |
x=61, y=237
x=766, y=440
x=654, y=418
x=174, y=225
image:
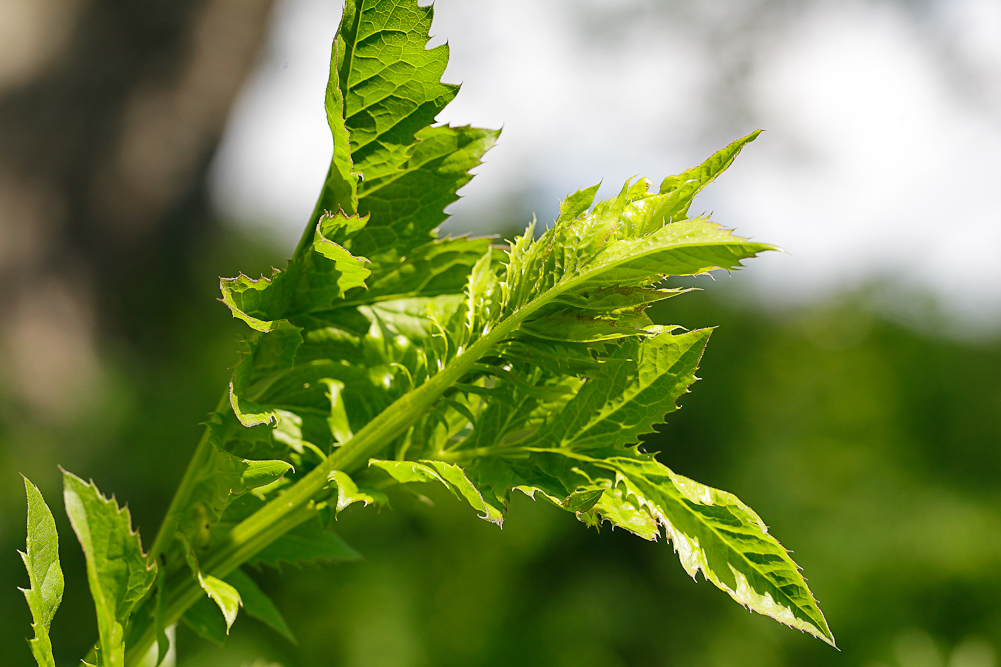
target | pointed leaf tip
x=117, y=570
x=41, y=559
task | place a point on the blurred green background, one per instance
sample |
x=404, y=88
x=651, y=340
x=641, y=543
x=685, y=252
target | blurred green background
x=868, y=441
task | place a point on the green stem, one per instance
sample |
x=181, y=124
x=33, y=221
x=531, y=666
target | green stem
x=187, y=591
x=462, y=455
x=292, y=507
x=183, y=494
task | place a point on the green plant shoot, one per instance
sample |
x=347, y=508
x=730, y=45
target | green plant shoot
x=384, y=355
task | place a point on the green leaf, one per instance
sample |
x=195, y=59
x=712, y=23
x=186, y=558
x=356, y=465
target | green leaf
x=225, y=596
x=117, y=571
x=262, y=357
x=408, y=203
x=218, y=480
x=618, y=299
x=577, y=327
x=582, y=501
x=588, y=450
x=446, y=361
x=41, y=559
x=340, y=425
x=348, y=492
x=391, y=83
x=350, y=271
x=432, y=269
x=714, y=532
x=681, y=189
x=636, y=394
x=257, y=604
x=451, y=475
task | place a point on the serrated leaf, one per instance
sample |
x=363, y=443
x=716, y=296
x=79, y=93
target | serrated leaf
x=618, y=298
x=636, y=394
x=41, y=560
x=556, y=357
x=219, y=479
x=713, y=531
x=348, y=493
x=681, y=189
x=117, y=571
x=258, y=605
x=590, y=446
x=435, y=268
x=582, y=501
x=262, y=357
x=451, y=475
x=408, y=204
x=577, y=327
x=539, y=373
x=340, y=425
x=350, y=271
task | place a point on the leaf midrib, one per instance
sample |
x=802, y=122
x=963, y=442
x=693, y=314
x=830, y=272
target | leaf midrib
x=679, y=501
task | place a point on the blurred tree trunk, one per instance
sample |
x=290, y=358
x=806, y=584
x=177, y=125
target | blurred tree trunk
x=110, y=111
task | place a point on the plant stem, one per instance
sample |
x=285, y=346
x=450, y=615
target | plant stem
x=188, y=591
x=181, y=497
x=293, y=506
x=462, y=455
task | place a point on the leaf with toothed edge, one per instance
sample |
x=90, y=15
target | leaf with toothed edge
x=41, y=560
x=348, y=493
x=117, y=571
x=569, y=372
x=590, y=447
x=450, y=475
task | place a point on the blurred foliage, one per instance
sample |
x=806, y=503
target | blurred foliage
x=871, y=445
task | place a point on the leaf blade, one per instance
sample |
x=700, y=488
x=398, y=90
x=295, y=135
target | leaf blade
x=41, y=560
x=117, y=570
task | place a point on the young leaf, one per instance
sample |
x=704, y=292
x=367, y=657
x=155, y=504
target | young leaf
x=348, y=492
x=589, y=448
x=41, y=559
x=219, y=479
x=681, y=189
x=226, y=597
x=450, y=475
x=117, y=571
x=439, y=360
x=383, y=93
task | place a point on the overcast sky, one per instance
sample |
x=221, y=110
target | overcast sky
x=882, y=155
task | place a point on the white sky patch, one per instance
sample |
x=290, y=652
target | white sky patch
x=276, y=147
x=874, y=164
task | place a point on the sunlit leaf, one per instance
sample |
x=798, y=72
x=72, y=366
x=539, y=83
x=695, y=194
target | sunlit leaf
x=41, y=559
x=117, y=571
